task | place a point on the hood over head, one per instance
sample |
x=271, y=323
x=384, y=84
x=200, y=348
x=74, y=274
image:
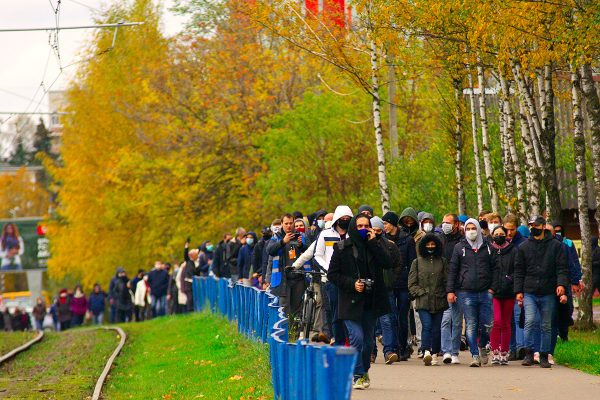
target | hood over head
x=478, y=242
x=341, y=211
x=431, y=237
x=426, y=215
x=409, y=212
x=355, y=237
x=524, y=231
x=463, y=218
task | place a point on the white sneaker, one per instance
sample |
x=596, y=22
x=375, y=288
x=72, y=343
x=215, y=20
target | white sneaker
x=550, y=359
x=536, y=357
x=447, y=358
x=434, y=359
x=427, y=357
x=455, y=360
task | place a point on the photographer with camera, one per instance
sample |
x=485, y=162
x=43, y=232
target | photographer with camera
x=356, y=268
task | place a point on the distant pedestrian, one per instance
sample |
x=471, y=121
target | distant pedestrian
x=63, y=310
x=39, y=313
x=97, y=304
x=123, y=296
x=158, y=281
x=142, y=300
x=78, y=307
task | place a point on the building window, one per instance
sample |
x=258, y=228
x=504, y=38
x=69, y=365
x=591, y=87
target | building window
x=55, y=120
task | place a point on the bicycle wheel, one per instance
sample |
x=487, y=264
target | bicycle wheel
x=308, y=317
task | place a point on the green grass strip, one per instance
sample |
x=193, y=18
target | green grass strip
x=12, y=340
x=581, y=352
x=62, y=366
x=190, y=356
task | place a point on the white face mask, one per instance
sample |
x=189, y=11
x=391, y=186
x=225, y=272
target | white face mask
x=275, y=229
x=427, y=227
x=491, y=227
x=471, y=235
x=447, y=228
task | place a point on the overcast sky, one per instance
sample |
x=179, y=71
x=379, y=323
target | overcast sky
x=24, y=54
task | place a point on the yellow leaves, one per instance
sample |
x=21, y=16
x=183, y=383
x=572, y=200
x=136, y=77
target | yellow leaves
x=236, y=378
x=22, y=191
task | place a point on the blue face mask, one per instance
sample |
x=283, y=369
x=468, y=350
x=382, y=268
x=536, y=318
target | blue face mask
x=250, y=241
x=210, y=247
x=321, y=223
x=363, y=233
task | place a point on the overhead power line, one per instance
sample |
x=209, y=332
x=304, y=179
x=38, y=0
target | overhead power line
x=62, y=28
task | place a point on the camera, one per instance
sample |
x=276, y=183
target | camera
x=369, y=283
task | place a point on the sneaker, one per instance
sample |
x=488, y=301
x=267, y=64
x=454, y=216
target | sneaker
x=483, y=353
x=496, y=357
x=373, y=358
x=504, y=358
x=544, y=363
x=391, y=358
x=366, y=380
x=512, y=356
x=434, y=359
x=427, y=357
x=476, y=362
x=359, y=383
x=447, y=358
x=550, y=359
x=455, y=360
x=536, y=357
x=528, y=359
x=420, y=353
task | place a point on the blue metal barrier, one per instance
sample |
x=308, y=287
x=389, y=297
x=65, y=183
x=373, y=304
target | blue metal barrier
x=300, y=371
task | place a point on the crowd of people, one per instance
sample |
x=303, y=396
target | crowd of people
x=489, y=285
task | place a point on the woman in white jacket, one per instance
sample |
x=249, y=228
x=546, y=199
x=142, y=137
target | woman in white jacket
x=142, y=299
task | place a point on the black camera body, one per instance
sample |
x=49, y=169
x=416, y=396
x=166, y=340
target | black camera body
x=369, y=284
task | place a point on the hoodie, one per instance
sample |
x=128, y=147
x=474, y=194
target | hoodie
x=325, y=242
x=414, y=231
x=478, y=242
x=428, y=276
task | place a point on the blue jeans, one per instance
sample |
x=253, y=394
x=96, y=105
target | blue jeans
x=431, y=333
x=452, y=322
x=546, y=307
x=39, y=324
x=361, y=334
x=113, y=312
x=389, y=327
x=159, y=305
x=98, y=319
x=477, y=308
x=339, y=332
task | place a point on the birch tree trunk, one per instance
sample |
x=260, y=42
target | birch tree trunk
x=393, y=118
x=383, y=186
x=548, y=168
x=485, y=148
x=458, y=142
x=475, y=143
x=585, y=304
x=531, y=167
x=592, y=103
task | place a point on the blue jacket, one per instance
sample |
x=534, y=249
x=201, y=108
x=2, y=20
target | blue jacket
x=97, y=302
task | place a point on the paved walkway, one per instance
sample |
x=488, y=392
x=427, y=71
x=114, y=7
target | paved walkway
x=412, y=380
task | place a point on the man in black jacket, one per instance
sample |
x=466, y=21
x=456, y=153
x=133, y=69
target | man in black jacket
x=469, y=281
x=541, y=275
x=452, y=320
x=408, y=252
x=287, y=246
x=356, y=268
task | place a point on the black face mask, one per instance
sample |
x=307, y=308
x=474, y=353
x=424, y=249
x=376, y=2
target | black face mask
x=343, y=223
x=535, y=231
x=499, y=240
x=410, y=229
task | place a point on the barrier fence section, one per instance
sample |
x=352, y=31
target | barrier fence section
x=301, y=370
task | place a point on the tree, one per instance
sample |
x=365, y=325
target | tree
x=42, y=141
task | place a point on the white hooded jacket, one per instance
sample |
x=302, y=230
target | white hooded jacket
x=327, y=238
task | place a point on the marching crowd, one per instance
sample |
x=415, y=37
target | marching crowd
x=502, y=290
x=406, y=280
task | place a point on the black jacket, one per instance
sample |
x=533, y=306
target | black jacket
x=449, y=242
x=503, y=281
x=232, y=250
x=158, y=279
x=219, y=266
x=257, y=256
x=541, y=266
x=392, y=276
x=408, y=252
x=350, y=257
x=276, y=247
x=469, y=270
x=124, y=302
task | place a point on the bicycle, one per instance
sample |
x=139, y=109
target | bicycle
x=309, y=308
